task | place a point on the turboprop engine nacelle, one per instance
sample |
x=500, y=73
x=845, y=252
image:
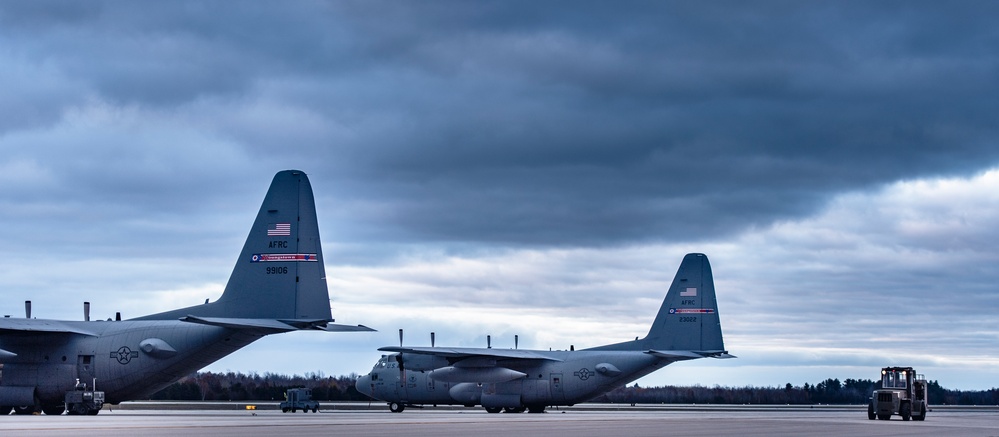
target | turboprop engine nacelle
x=466, y=393
x=421, y=362
x=475, y=374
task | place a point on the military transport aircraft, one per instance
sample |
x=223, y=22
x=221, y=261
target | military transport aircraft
x=513, y=380
x=278, y=285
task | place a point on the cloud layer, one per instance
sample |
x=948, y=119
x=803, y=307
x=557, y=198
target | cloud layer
x=546, y=163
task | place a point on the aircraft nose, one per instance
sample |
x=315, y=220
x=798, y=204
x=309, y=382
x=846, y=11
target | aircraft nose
x=363, y=385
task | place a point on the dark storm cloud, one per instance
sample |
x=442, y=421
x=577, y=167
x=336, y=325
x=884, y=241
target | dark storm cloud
x=582, y=123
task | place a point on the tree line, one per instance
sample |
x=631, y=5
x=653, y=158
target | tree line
x=830, y=391
x=234, y=386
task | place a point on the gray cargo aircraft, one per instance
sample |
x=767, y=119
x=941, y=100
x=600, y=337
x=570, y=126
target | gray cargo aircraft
x=278, y=285
x=513, y=380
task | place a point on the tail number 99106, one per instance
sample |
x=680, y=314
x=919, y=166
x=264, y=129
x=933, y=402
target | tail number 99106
x=277, y=270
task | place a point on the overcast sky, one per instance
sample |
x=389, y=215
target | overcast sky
x=523, y=168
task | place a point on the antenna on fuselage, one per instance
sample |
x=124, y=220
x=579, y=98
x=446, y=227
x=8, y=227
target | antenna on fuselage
x=86, y=311
x=432, y=339
x=516, y=342
x=489, y=342
x=27, y=309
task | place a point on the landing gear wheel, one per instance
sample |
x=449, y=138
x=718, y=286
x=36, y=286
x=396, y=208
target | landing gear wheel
x=870, y=412
x=54, y=410
x=5, y=410
x=396, y=407
x=493, y=410
x=535, y=409
x=81, y=410
x=905, y=411
x=24, y=410
x=519, y=409
x=284, y=410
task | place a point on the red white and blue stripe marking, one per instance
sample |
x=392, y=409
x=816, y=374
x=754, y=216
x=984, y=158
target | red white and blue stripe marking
x=691, y=311
x=293, y=257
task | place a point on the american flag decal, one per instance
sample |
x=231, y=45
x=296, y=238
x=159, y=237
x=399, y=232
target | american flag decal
x=279, y=230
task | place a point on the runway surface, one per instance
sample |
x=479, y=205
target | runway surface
x=575, y=422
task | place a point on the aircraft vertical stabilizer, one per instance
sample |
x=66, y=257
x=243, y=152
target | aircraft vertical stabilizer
x=688, y=318
x=279, y=273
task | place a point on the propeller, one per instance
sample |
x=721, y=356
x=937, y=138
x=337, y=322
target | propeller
x=398, y=359
x=516, y=342
x=432, y=339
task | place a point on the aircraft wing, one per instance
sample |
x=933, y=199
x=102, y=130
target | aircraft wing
x=39, y=326
x=470, y=352
x=35, y=327
x=690, y=355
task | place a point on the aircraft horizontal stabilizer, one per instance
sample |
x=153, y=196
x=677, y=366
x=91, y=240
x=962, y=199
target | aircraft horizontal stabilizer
x=690, y=355
x=36, y=326
x=270, y=325
x=468, y=352
x=275, y=325
x=331, y=327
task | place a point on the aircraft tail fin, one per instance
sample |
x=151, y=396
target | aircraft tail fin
x=279, y=273
x=688, y=318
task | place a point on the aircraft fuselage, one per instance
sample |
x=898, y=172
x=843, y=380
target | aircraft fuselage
x=569, y=378
x=127, y=359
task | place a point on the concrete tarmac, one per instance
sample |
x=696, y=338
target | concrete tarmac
x=574, y=421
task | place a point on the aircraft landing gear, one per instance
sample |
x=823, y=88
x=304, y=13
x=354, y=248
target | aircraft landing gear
x=25, y=409
x=534, y=409
x=55, y=410
x=82, y=411
x=396, y=407
x=493, y=410
x=519, y=409
x=5, y=410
